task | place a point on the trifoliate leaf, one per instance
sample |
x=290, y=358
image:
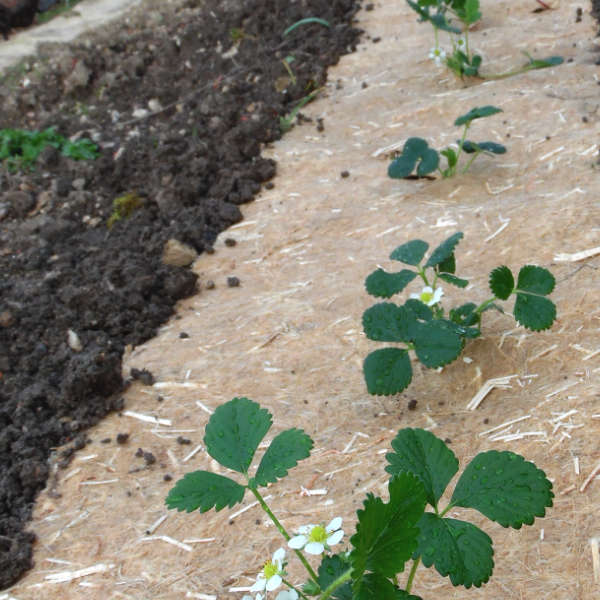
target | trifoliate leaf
x=284, y=452
x=203, y=490
x=505, y=488
x=387, y=322
x=535, y=280
x=411, y=253
x=382, y=284
x=471, y=13
x=456, y=548
x=374, y=586
x=453, y=280
x=386, y=536
x=477, y=113
x=387, y=371
x=438, y=20
x=437, y=344
x=234, y=432
x=415, y=150
x=502, y=282
x=471, y=147
x=424, y=455
x=330, y=569
x=444, y=250
x=534, y=312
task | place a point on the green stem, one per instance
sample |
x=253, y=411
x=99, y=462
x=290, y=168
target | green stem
x=412, y=574
x=335, y=584
x=460, y=145
x=446, y=510
x=421, y=273
x=284, y=533
x=467, y=44
x=468, y=165
x=485, y=304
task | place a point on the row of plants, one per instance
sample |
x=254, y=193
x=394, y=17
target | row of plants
x=392, y=538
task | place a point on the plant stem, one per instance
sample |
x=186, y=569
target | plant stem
x=460, y=146
x=485, y=304
x=468, y=165
x=412, y=574
x=421, y=273
x=284, y=533
x=335, y=584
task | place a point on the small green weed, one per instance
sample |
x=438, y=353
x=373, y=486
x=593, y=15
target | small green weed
x=421, y=324
x=502, y=486
x=123, y=207
x=417, y=153
x=20, y=148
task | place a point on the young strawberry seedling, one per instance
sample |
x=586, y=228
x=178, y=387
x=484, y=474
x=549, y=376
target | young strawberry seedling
x=421, y=325
x=502, y=486
x=417, y=153
x=442, y=14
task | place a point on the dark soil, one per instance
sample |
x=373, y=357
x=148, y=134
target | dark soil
x=73, y=292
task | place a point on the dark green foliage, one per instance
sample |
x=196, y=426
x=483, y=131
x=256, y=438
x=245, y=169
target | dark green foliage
x=471, y=147
x=204, y=490
x=502, y=282
x=411, y=253
x=387, y=371
x=478, y=112
x=444, y=251
x=415, y=153
x=382, y=284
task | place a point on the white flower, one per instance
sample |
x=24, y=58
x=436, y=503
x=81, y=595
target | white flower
x=271, y=577
x=460, y=43
x=437, y=55
x=429, y=296
x=287, y=595
x=316, y=538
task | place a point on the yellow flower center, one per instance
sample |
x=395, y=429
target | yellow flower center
x=426, y=297
x=270, y=569
x=318, y=534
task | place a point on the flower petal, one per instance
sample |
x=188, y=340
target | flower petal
x=335, y=537
x=305, y=529
x=259, y=584
x=287, y=595
x=278, y=557
x=273, y=583
x=297, y=542
x=314, y=548
x=427, y=290
x=334, y=524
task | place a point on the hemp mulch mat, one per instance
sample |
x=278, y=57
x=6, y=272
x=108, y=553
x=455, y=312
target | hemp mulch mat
x=290, y=337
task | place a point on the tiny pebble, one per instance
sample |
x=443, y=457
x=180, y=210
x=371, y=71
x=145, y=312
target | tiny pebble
x=230, y=242
x=233, y=281
x=183, y=441
x=122, y=438
x=183, y=335
x=412, y=404
x=269, y=185
x=210, y=284
x=106, y=441
x=345, y=174
x=167, y=477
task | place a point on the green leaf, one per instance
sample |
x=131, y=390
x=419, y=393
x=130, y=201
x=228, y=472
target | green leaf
x=203, y=490
x=534, y=312
x=437, y=344
x=447, y=266
x=382, y=284
x=477, y=113
x=330, y=569
x=386, y=536
x=453, y=280
x=411, y=253
x=465, y=315
x=374, y=586
x=430, y=160
x=450, y=156
x=502, y=282
x=415, y=151
x=419, y=309
x=284, y=452
x=505, y=488
x=535, y=280
x=387, y=322
x=456, y=548
x=471, y=13
x=444, y=250
x=306, y=22
x=462, y=331
x=440, y=22
x=427, y=457
x=387, y=371
x=471, y=147
x=543, y=63
x=234, y=432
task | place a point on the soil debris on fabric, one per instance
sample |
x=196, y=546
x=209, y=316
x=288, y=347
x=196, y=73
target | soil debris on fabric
x=180, y=110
